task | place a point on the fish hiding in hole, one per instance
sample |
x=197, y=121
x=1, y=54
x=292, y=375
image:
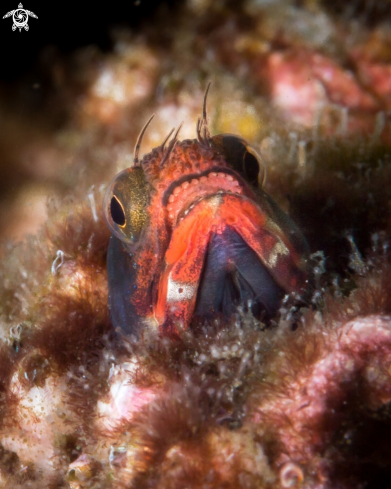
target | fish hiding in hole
x=194, y=235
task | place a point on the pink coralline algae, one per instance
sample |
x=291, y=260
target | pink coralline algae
x=329, y=418
x=312, y=89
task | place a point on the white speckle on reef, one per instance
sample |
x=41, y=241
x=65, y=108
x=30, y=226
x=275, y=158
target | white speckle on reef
x=124, y=398
x=41, y=417
x=57, y=262
x=91, y=198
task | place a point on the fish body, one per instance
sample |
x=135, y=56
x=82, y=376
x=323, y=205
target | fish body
x=192, y=238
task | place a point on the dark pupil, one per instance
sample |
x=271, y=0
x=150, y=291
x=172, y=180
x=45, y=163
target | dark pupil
x=117, y=212
x=251, y=167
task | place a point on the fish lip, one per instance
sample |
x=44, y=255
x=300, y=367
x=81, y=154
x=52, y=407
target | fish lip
x=191, y=207
x=191, y=176
x=239, y=187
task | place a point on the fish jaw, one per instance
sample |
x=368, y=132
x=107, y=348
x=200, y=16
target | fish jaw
x=242, y=226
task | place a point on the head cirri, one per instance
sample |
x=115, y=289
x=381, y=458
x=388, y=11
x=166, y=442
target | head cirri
x=194, y=235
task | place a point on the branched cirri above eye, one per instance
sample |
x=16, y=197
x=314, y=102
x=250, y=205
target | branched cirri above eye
x=117, y=211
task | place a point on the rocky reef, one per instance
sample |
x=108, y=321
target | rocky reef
x=304, y=402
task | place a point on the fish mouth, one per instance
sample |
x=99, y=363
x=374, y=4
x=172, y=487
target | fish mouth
x=234, y=276
x=185, y=194
x=224, y=251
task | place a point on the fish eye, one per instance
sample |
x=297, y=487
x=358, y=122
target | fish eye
x=125, y=205
x=251, y=167
x=241, y=156
x=117, y=211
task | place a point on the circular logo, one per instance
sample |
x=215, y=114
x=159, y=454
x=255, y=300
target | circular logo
x=20, y=18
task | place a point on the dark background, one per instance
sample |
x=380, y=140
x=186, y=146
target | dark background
x=70, y=25
x=67, y=26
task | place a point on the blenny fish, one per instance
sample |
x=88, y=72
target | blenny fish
x=194, y=235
